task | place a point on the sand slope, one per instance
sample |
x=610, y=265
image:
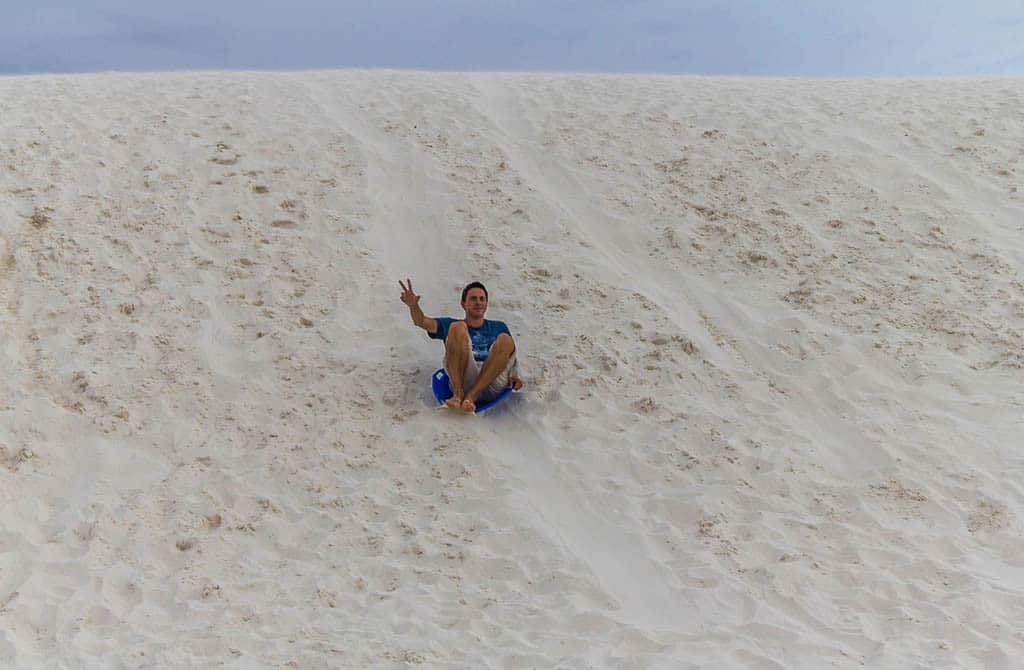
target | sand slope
x=772, y=331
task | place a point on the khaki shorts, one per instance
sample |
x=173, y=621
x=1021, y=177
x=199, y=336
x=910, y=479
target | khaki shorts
x=472, y=371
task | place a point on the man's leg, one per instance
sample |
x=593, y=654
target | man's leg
x=497, y=360
x=456, y=356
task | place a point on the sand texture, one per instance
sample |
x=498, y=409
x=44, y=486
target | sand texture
x=772, y=333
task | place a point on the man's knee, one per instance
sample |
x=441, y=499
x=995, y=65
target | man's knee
x=504, y=342
x=458, y=330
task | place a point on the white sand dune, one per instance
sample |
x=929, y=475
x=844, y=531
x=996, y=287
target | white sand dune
x=771, y=329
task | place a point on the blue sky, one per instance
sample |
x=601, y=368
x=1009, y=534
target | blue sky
x=730, y=37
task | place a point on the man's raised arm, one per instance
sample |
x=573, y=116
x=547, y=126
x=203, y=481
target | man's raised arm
x=413, y=302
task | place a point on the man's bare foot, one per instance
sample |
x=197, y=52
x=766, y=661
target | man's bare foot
x=468, y=403
x=455, y=402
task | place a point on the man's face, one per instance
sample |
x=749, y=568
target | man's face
x=475, y=303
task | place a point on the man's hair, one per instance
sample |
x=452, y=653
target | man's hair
x=470, y=285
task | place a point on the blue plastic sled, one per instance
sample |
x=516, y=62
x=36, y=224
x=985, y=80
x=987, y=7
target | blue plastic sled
x=443, y=391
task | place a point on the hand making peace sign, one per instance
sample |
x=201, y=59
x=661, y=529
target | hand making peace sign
x=408, y=297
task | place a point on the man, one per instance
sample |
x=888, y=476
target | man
x=479, y=354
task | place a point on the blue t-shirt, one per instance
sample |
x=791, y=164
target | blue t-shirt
x=482, y=338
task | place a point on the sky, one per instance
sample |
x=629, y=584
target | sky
x=814, y=38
